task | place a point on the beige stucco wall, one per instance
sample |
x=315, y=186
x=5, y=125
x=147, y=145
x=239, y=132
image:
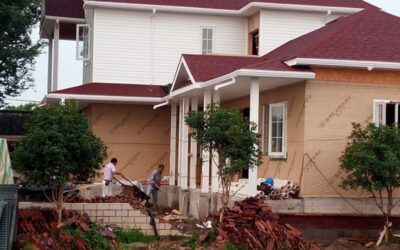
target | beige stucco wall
x=329, y=112
x=294, y=95
x=137, y=135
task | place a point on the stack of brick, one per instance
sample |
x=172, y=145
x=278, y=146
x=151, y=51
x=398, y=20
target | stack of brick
x=118, y=214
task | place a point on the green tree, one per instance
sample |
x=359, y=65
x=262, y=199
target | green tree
x=59, y=148
x=23, y=107
x=371, y=160
x=17, y=51
x=229, y=134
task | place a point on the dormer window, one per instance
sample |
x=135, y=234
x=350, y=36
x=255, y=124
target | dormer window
x=207, y=41
x=82, y=42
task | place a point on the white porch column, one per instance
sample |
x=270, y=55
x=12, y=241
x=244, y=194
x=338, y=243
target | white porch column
x=55, y=56
x=180, y=143
x=185, y=145
x=193, y=151
x=205, y=165
x=172, y=150
x=214, y=162
x=50, y=66
x=254, y=113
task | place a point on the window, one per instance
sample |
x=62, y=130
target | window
x=277, y=130
x=207, y=40
x=385, y=112
x=254, y=39
x=82, y=42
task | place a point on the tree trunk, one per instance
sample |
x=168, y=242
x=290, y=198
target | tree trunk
x=59, y=204
x=388, y=215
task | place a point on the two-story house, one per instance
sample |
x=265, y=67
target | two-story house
x=303, y=70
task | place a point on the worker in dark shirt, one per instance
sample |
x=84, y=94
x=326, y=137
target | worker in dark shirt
x=154, y=184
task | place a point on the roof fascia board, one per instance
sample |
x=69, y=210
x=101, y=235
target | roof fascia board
x=66, y=19
x=105, y=98
x=343, y=63
x=242, y=11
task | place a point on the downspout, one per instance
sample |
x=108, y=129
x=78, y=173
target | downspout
x=225, y=84
x=161, y=105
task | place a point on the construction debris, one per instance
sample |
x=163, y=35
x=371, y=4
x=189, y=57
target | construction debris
x=251, y=222
x=39, y=227
x=135, y=202
x=286, y=191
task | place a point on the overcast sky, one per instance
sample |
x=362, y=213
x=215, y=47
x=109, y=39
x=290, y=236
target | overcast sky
x=70, y=70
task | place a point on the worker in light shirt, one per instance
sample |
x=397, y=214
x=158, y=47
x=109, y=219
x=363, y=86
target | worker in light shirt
x=108, y=175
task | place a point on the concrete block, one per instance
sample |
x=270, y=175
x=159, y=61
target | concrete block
x=146, y=226
x=22, y=205
x=168, y=226
x=121, y=213
x=99, y=213
x=77, y=206
x=103, y=206
x=129, y=219
x=164, y=232
x=204, y=206
x=141, y=219
x=126, y=206
x=105, y=219
x=116, y=206
x=194, y=203
x=109, y=212
x=133, y=226
x=184, y=196
x=134, y=213
x=90, y=206
x=67, y=206
x=160, y=226
x=115, y=220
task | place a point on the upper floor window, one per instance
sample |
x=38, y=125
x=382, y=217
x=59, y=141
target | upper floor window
x=207, y=40
x=82, y=42
x=254, y=43
x=385, y=112
x=274, y=130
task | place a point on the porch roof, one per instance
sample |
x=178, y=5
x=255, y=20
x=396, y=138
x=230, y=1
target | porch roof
x=112, y=92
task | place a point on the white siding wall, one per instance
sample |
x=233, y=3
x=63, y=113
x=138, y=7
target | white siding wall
x=279, y=27
x=125, y=51
x=88, y=65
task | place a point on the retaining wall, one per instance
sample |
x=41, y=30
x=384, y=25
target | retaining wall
x=120, y=214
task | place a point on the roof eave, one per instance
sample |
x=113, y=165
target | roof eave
x=105, y=98
x=246, y=10
x=370, y=65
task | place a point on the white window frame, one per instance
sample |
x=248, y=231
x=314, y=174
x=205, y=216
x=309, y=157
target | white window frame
x=265, y=129
x=207, y=51
x=281, y=154
x=379, y=112
x=78, y=41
